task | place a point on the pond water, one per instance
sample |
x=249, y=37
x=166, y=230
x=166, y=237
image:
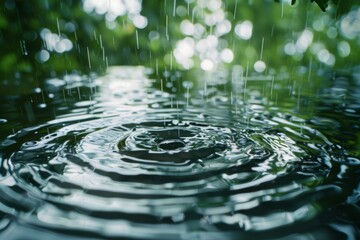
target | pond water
x=114, y=156
x=226, y=125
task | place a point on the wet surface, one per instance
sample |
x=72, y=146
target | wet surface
x=114, y=157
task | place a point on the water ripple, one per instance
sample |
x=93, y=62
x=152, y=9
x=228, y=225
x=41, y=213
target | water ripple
x=162, y=173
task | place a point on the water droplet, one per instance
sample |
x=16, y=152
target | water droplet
x=260, y=66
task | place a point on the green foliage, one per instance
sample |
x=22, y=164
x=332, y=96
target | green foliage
x=343, y=6
x=96, y=44
x=321, y=3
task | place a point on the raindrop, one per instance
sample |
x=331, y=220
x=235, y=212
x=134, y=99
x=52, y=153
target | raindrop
x=326, y=57
x=344, y=49
x=188, y=7
x=309, y=69
x=43, y=56
x=174, y=8
x=290, y=49
x=272, y=86
x=332, y=32
x=63, y=45
x=187, y=27
x=244, y=30
x=23, y=48
x=37, y=90
x=260, y=66
x=246, y=79
x=207, y=65
x=137, y=39
x=227, y=55
x=42, y=105
x=235, y=9
x=88, y=55
x=153, y=35
x=304, y=41
x=58, y=27
x=171, y=60
x=140, y=21
x=167, y=27
x=262, y=49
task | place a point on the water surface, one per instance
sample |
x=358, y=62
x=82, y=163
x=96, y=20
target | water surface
x=132, y=155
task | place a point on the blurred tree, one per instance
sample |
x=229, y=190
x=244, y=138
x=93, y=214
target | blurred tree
x=41, y=38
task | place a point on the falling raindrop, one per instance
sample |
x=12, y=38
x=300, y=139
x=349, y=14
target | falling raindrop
x=23, y=48
x=235, y=8
x=167, y=27
x=188, y=7
x=58, y=27
x=171, y=61
x=272, y=86
x=246, y=79
x=262, y=48
x=137, y=39
x=309, y=70
x=88, y=55
x=174, y=8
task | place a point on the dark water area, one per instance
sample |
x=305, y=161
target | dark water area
x=114, y=157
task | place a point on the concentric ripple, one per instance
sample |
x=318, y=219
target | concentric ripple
x=166, y=173
x=144, y=173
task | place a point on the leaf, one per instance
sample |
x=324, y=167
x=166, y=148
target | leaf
x=322, y=4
